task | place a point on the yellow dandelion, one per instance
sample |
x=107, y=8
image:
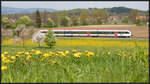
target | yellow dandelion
x=17, y=55
x=119, y=54
x=56, y=54
x=77, y=55
x=37, y=52
x=28, y=57
x=46, y=55
x=90, y=54
x=27, y=53
x=5, y=53
x=2, y=55
x=3, y=67
x=13, y=57
x=74, y=50
x=66, y=52
x=52, y=53
x=108, y=53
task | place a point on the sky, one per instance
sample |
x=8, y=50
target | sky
x=67, y=5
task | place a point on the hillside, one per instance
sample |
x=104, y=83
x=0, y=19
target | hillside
x=9, y=10
x=114, y=10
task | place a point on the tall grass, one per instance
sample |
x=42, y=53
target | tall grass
x=109, y=64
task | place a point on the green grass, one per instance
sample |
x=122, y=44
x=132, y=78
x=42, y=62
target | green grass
x=103, y=67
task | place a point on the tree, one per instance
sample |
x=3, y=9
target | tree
x=50, y=23
x=65, y=21
x=75, y=20
x=45, y=16
x=125, y=20
x=84, y=18
x=19, y=32
x=99, y=22
x=138, y=22
x=100, y=15
x=50, y=39
x=38, y=19
x=133, y=15
x=24, y=20
x=6, y=23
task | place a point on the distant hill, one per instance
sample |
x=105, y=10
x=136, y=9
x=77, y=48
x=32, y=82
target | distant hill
x=114, y=10
x=10, y=10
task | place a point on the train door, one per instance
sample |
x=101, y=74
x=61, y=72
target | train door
x=116, y=34
x=88, y=34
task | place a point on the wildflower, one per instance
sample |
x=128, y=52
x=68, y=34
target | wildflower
x=56, y=54
x=66, y=52
x=2, y=55
x=5, y=53
x=28, y=57
x=119, y=54
x=46, y=55
x=27, y=53
x=77, y=55
x=74, y=50
x=3, y=67
x=37, y=52
x=52, y=53
x=21, y=52
x=90, y=53
x=42, y=59
x=108, y=53
x=13, y=57
x=17, y=55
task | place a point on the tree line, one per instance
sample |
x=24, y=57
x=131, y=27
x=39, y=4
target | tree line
x=68, y=18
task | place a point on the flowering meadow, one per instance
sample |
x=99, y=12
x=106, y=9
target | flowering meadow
x=76, y=60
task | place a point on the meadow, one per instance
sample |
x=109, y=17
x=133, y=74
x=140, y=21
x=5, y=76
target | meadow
x=76, y=60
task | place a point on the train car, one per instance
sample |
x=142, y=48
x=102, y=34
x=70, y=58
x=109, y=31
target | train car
x=89, y=32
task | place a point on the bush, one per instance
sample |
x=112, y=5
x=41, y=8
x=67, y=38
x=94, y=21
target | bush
x=125, y=20
x=24, y=20
x=99, y=22
x=138, y=22
x=50, y=39
x=65, y=21
x=6, y=23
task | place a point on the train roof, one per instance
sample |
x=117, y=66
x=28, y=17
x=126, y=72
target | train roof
x=88, y=29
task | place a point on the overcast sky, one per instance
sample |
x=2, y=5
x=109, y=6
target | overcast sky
x=66, y=5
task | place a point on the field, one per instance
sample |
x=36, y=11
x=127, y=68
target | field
x=76, y=60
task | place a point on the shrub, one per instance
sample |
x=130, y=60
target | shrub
x=138, y=22
x=50, y=39
x=24, y=20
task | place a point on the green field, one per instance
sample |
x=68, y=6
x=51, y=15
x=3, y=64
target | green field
x=77, y=61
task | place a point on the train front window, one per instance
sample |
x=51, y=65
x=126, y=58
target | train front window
x=43, y=31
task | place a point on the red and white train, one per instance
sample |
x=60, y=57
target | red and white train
x=89, y=32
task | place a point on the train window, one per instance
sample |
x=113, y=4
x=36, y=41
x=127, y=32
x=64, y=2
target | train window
x=94, y=32
x=110, y=32
x=100, y=32
x=82, y=32
x=68, y=32
x=58, y=32
x=75, y=32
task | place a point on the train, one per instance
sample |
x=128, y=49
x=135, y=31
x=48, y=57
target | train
x=89, y=32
